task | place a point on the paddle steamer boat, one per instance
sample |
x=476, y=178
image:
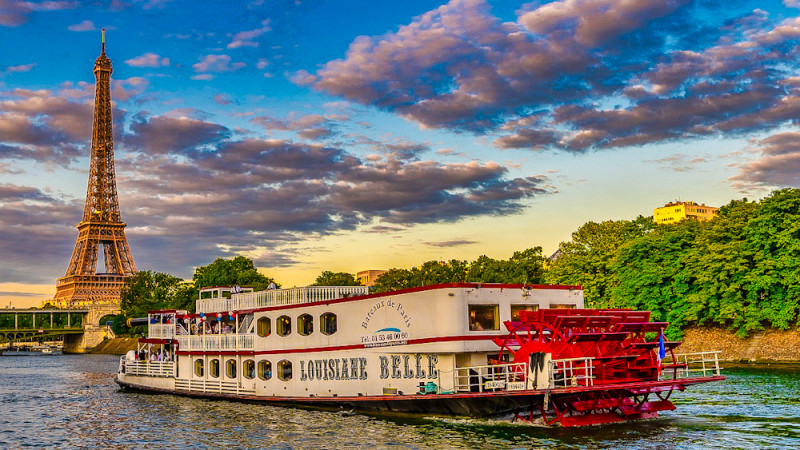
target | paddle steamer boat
x=531, y=353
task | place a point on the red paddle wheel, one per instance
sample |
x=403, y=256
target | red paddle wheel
x=594, y=366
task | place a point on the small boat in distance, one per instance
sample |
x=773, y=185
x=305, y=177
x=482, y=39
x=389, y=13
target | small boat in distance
x=521, y=352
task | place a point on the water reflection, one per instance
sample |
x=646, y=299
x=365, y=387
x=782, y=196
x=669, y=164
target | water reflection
x=71, y=401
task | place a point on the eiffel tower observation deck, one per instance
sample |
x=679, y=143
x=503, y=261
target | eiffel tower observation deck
x=101, y=231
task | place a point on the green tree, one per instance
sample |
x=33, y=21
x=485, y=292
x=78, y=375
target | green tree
x=652, y=276
x=227, y=272
x=773, y=240
x=146, y=291
x=328, y=278
x=393, y=280
x=588, y=257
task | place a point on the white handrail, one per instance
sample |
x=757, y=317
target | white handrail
x=216, y=342
x=571, y=372
x=690, y=365
x=278, y=297
x=491, y=377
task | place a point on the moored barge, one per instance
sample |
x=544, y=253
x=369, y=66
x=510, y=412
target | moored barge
x=531, y=353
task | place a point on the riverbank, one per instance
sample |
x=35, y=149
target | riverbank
x=766, y=347
x=115, y=346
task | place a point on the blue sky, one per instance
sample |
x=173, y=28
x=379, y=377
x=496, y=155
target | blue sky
x=351, y=135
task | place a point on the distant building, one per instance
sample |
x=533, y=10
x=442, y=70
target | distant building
x=674, y=212
x=368, y=277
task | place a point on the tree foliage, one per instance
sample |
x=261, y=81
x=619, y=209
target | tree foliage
x=147, y=291
x=741, y=269
x=328, y=278
x=227, y=272
x=523, y=267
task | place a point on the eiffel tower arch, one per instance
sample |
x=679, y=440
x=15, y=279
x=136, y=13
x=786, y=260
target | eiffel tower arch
x=101, y=231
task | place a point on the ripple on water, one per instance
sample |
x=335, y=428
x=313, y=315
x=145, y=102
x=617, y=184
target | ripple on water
x=72, y=402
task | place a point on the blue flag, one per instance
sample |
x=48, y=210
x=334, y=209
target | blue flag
x=662, y=351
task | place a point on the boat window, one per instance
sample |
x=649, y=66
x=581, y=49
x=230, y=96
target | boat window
x=561, y=306
x=305, y=324
x=284, y=326
x=264, y=326
x=249, y=369
x=515, y=309
x=213, y=368
x=230, y=368
x=264, y=370
x=285, y=370
x=483, y=317
x=327, y=323
x=198, y=367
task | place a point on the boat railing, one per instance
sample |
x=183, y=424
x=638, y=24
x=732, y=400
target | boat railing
x=147, y=368
x=222, y=342
x=212, y=386
x=490, y=378
x=571, y=372
x=278, y=297
x=161, y=331
x=691, y=365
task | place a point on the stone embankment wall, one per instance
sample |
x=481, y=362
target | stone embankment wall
x=771, y=346
x=115, y=346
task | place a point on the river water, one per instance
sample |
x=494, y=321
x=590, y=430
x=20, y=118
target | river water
x=71, y=401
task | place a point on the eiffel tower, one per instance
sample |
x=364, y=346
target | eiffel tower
x=102, y=228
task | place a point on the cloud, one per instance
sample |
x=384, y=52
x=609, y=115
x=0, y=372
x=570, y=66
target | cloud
x=217, y=64
x=310, y=126
x=148, y=60
x=154, y=135
x=15, y=13
x=42, y=126
x=28, y=215
x=222, y=99
x=86, y=25
x=577, y=75
x=451, y=243
x=778, y=165
x=20, y=68
x=247, y=38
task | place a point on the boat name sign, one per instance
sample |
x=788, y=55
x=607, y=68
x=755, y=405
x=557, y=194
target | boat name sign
x=419, y=366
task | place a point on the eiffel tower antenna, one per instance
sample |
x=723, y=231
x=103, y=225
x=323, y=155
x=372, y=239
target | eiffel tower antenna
x=102, y=227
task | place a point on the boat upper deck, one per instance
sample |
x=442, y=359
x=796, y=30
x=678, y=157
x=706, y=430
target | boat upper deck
x=277, y=297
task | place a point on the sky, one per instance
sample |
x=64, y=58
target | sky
x=349, y=135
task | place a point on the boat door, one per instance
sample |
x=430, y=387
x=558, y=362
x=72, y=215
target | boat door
x=247, y=381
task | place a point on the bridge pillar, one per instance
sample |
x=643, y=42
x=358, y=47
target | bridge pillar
x=93, y=332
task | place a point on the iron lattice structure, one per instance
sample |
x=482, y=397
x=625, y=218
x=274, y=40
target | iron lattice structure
x=102, y=228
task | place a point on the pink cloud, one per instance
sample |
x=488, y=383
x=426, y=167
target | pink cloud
x=247, y=38
x=21, y=68
x=86, y=25
x=216, y=64
x=148, y=60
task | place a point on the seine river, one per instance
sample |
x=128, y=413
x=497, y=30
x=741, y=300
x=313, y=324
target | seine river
x=72, y=402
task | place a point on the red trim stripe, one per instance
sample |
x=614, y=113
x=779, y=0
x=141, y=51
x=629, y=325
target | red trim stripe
x=345, y=347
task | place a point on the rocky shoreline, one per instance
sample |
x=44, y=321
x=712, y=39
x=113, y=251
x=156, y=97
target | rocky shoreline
x=765, y=347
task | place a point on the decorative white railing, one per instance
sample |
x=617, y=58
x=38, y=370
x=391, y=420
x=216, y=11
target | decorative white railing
x=161, y=331
x=148, y=368
x=691, y=365
x=222, y=342
x=211, y=386
x=490, y=378
x=571, y=372
x=278, y=297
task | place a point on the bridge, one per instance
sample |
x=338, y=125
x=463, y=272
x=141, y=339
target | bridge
x=20, y=324
x=81, y=328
